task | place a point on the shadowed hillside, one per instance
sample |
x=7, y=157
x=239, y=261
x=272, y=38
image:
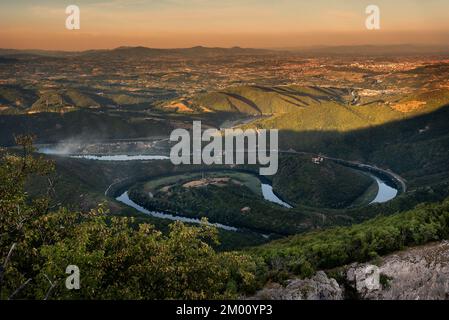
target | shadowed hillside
x=258, y=100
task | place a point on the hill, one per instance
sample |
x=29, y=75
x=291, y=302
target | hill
x=23, y=99
x=140, y=51
x=319, y=185
x=258, y=100
x=62, y=101
x=305, y=108
x=17, y=97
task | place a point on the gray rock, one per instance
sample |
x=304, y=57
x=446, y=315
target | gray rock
x=319, y=287
x=415, y=273
x=420, y=273
x=364, y=278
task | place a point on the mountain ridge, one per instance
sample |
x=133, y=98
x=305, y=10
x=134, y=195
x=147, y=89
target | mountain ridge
x=404, y=49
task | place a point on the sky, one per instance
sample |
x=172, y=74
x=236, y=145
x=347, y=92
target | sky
x=26, y=24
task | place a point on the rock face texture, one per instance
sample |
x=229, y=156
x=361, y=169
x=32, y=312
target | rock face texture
x=420, y=273
x=319, y=287
x=363, y=278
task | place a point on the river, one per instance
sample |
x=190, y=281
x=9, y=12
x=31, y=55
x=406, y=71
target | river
x=268, y=194
x=115, y=157
x=267, y=190
x=385, y=193
x=124, y=198
x=120, y=157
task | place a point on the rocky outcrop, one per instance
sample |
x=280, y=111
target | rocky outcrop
x=420, y=273
x=319, y=287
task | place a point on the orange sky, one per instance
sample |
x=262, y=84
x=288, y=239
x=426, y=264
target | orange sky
x=246, y=23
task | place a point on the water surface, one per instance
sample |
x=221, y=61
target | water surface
x=268, y=194
x=385, y=193
x=120, y=157
x=124, y=198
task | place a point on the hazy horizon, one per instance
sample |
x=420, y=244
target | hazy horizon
x=297, y=48
x=107, y=24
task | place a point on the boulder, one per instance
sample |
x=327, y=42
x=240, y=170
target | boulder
x=364, y=278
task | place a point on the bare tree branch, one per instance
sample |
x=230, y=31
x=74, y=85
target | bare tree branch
x=9, y=255
x=52, y=286
x=50, y=290
x=48, y=279
x=19, y=289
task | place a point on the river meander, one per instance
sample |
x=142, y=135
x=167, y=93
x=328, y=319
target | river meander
x=384, y=194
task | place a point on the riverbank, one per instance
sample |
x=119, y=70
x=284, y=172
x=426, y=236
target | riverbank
x=262, y=210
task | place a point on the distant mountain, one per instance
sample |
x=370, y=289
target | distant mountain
x=140, y=52
x=126, y=52
x=200, y=51
x=33, y=52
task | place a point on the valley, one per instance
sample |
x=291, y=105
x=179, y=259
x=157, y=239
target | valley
x=234, y=198
x=363, y=146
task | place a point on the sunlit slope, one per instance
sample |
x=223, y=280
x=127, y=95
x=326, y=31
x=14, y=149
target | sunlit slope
x=299, y=108
x=330, y=116
x=407, y=133
x=258, y=100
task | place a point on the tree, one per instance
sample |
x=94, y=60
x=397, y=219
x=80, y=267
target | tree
x=17, y=212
